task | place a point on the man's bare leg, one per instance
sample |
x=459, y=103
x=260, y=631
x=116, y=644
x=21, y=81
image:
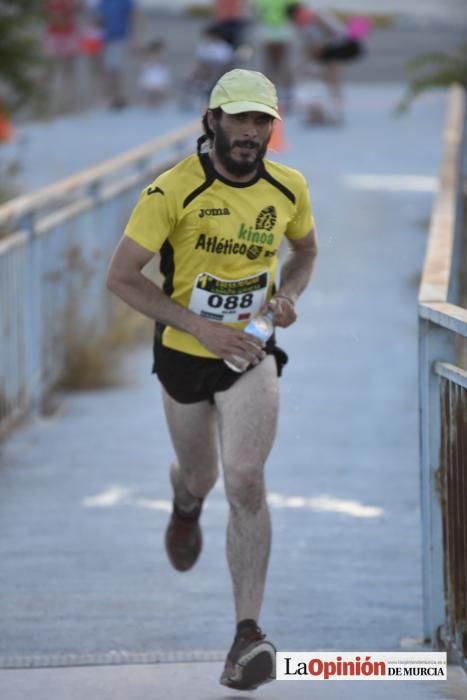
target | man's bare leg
x=194, y=435
x=247, y=423
x=193, y=429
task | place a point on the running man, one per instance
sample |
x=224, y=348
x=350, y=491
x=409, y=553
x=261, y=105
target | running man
x=217, y=218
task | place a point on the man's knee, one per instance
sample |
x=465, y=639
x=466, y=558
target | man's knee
x=200, y=481
x=245, y=488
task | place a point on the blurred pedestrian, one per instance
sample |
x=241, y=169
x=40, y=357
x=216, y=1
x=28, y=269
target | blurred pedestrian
x=276, y=33
x=12, y=145
x=328, y=45
x=231, y=18
x=218, y=219
x=118, y=25
x=62, y=48
x=155, y=77
x=213, y=56
x=91, y=49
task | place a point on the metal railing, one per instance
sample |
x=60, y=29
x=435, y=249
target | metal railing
x=443, y=399
x=53, y=261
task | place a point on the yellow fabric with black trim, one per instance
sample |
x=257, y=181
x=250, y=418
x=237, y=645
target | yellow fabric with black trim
x=219, y=240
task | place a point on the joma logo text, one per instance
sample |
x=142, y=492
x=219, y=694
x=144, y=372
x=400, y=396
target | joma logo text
x=213, y=212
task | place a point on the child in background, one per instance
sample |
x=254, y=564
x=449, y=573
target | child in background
x=155, y=78
x=213, y=57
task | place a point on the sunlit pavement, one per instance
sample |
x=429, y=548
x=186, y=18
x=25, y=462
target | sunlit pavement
x=85, y=493
x=199, y=682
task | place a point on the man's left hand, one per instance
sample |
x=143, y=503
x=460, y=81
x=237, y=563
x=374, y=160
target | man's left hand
x=283, y=308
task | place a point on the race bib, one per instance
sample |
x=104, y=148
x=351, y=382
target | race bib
x=228, y=301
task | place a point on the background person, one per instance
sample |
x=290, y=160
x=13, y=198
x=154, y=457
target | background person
x=117, y=18
x=218, y=219
x=231, y=18
x=91, y=48
x=62, y=48
x=276, y=33
x=328, y=44
x=155, y=78
x=213, y=56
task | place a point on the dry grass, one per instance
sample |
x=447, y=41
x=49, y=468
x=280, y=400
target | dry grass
x=94, y=361
x=7, y=192
x=4, y=232
x=9, y=189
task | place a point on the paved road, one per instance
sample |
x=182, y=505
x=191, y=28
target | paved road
x=199, y=682
x=85, y=494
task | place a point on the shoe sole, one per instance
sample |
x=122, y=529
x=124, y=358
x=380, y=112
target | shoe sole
x=254, y=668
x=182, y=559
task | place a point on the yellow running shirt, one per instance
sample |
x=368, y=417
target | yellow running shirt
x=218, y=240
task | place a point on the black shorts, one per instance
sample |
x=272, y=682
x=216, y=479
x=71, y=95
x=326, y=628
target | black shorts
x=341, y=50
x=190, y=379
x=232, y=31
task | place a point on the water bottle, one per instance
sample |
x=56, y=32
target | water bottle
x=262, y=328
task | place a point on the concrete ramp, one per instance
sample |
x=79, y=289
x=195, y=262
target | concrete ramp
x=84, y=494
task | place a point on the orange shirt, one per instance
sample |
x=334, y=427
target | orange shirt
x=225, y=10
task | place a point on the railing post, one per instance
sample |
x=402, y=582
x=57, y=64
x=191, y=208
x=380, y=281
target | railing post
x=33, y=316
x=435, y=343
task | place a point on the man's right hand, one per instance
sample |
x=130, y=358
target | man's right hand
x=228, y=343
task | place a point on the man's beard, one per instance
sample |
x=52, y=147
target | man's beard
x=222, y=149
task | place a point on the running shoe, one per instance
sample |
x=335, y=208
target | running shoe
x=183, y=538
x=250, y=662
